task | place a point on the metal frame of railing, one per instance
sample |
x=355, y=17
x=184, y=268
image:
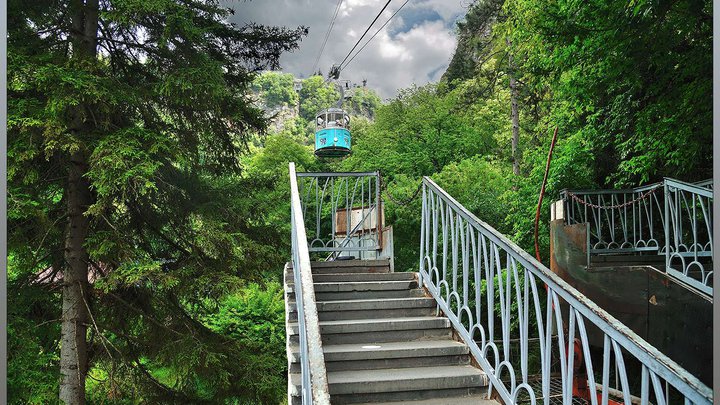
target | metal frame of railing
x=324, y=195
x=492, y=290
x=688, y=233
x=636, y=221
x=312, y=361
x=620, y=221
x=708, y=184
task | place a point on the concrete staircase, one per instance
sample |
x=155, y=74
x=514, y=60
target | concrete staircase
x=382, y=340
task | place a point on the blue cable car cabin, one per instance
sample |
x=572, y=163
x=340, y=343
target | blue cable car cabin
x=332, y=133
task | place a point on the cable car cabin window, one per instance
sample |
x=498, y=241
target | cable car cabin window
x=332, y=117
x=337, y=119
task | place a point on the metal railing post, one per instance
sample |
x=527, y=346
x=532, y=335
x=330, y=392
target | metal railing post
x=423, y=232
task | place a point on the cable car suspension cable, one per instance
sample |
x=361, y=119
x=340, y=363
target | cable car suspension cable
x=366, y=31
x=375, y=34
x=327, y=36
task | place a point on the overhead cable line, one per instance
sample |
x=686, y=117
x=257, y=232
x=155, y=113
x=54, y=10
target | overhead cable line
x=375, y=34
x=365, y=33
x=327, y=36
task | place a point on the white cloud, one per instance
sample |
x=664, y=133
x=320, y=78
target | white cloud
x=416, y=54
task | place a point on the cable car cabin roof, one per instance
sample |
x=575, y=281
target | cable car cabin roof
x=331, y=110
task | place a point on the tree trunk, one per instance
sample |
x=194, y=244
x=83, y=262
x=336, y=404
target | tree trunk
x=514, y=116
x=73, y=349
x=76, y=297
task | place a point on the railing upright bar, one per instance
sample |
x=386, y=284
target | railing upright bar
x=314, y=376
x=666, y=225
x=334, y=204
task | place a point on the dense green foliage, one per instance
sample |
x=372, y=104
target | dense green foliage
x=316, y=95
x=630, y=79
x=189, y=216
x=629, y=110
x=275, y=89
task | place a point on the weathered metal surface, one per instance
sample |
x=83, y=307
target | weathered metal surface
x=363, y=219
x=636, y=291
x=492, y=292
x=680, y=324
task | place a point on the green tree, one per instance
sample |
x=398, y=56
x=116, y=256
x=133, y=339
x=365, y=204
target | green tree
x=632, y=79
x=364, y=102
x=417, y=134
x=255, y=317
x=276, y=89
x=126, y=122
x=476, y=41
x=316, y=95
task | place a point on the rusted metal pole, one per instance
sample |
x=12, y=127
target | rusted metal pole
x=542, y=193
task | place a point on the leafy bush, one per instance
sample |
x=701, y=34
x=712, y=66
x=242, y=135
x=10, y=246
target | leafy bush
x=255, y=318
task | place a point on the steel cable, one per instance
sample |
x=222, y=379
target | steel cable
x=366, y=31
x=375, y=34
x=327, y=36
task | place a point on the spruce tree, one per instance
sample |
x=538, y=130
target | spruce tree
x=126, y=123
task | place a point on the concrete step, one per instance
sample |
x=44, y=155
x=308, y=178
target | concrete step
x=362, y=295
x=401, y=384
x=467, y=400
x=354, y=277
x=378, y=330
x=361, y=286
x=376, y=325
x=351, y=266
x=389, y=355
x=334, y=291
x=382, y=341
x=371, y=309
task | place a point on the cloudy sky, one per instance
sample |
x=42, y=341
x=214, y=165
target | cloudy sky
x=415, y=47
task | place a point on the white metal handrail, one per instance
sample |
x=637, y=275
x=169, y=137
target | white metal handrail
x=312, y=361
x=619, y=221
x=491, y=290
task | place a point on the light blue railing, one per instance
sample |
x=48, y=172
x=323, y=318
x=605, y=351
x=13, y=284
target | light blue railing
x=314, y=384
x=688, y=233
x=528, y=329
x=620, y=221
x=341, y=212
x=670, y=218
